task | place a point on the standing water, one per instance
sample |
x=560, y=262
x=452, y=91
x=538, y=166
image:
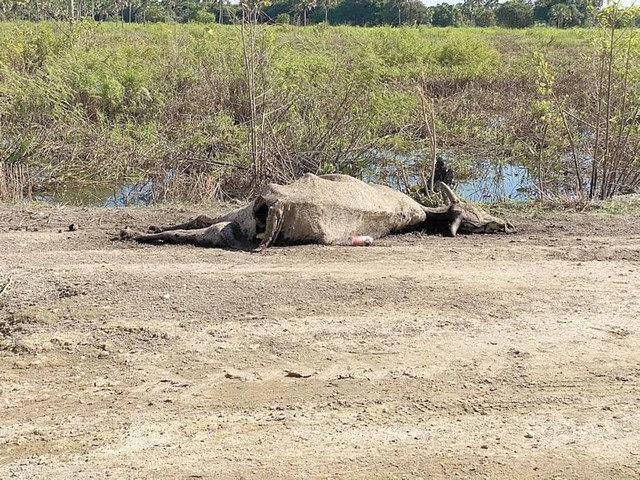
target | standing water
x=488, y=183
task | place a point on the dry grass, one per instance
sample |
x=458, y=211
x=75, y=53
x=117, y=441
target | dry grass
x=15, y=183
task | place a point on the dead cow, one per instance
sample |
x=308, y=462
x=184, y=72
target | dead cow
x=326, y=209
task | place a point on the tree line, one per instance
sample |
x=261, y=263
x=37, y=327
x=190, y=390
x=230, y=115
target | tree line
x=480, y=13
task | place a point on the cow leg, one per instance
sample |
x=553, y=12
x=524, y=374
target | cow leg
x=170, y=236
x=201, y=221
x=275, y=219
x=222, y=235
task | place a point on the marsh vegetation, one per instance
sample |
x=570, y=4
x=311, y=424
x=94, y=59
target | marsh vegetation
x=201, y=111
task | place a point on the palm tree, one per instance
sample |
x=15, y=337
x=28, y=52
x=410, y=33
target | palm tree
x=326, y=5
x=559, y=14
x=304, y=6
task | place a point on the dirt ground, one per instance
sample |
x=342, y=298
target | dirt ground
x=504, y=356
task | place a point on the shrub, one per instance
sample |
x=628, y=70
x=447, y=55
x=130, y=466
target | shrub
x=203, y=16
x=515, y=14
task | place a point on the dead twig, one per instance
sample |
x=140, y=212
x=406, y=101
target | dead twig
x=429, y=123
x=3, y=288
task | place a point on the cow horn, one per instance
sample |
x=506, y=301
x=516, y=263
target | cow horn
x=453, y=199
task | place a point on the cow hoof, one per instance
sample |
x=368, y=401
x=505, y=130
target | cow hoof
x=127, y=233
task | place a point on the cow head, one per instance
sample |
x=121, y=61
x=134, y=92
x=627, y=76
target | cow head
x=458, y=216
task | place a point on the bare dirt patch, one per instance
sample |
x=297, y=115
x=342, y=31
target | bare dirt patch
x=419, y=357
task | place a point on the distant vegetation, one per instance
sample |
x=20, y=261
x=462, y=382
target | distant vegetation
x=481, y=13
x=207, y=110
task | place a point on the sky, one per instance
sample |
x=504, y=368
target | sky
x=430, y=3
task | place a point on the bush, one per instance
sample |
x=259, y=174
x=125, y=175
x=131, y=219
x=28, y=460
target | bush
x=515, y=14
x=126, y=102
x=203, y=16
x=486, y=18
x=283, y=19
x=157, y=14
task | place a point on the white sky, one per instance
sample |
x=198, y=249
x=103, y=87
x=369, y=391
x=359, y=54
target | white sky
x=430, y=3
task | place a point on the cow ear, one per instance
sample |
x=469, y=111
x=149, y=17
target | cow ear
x=275, y=220
x=455, y=224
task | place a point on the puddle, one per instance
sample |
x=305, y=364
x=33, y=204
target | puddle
x=488, y=183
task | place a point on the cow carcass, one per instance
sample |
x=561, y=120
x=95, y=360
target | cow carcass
x=325, y=209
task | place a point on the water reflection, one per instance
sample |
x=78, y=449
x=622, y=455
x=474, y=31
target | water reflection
x=498, y=183
x=486, y=183
x=100, y=196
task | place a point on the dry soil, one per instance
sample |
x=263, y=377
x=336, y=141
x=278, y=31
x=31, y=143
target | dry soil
x=498, y=356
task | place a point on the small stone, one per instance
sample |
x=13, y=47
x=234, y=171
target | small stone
x=528, y=435
x=484, y=447
x=73, y=227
